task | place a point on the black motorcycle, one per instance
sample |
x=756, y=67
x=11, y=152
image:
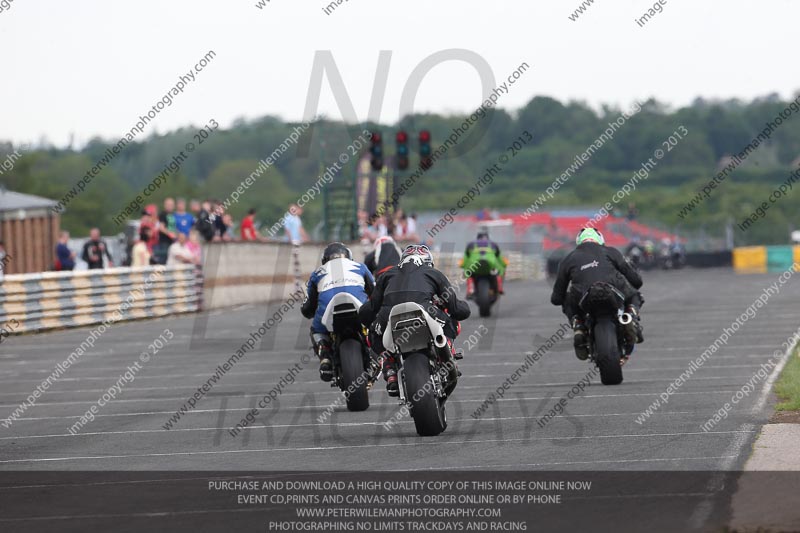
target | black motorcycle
x=639, y=258
x=671, y=259
x=427, y=373
x=611, y=337
x=354, y=370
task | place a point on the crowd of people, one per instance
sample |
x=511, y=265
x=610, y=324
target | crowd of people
x=175, y=235
x=399, y=226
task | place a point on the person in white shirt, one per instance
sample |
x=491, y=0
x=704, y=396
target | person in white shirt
x=179, y=253
x=411, y=228
x=140, y=253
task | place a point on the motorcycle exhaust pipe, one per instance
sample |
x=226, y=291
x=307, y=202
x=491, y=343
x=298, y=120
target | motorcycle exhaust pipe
x=625, y=319
x=442, y=349
x=440, y=341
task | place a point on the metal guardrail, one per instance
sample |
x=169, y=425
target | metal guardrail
x=68, y=299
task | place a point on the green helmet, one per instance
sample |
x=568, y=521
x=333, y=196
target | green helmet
x=590, y=235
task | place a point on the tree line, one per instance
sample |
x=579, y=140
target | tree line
x=561, y=131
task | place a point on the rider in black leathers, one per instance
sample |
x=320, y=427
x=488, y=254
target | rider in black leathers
x=591, y=262
x=384, y=256
x=413, y=280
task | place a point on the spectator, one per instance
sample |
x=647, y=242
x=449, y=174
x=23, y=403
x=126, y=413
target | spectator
x=230, y=234
x=65, y=258
x=376, y=229
x=204, y=224
x=140, y=253
x=363, y=227
x=381, y=229
x=248, y=229
x=218, y=219
x=293, y=224
x=193, y=245
x=411, y=228
x=195, y=207
x=94, y=250
x=183, y=220
x=150, y=219
x=179, y=253
x=401, y=229
x=166, y=232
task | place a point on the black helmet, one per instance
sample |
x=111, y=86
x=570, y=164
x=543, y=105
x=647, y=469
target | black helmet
x=336, y=250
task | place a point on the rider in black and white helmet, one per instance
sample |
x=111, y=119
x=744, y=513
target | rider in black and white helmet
x=414, y=280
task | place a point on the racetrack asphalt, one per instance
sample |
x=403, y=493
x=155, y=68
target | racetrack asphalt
x=685, y=312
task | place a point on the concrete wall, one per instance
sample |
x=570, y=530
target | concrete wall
x=248, y=273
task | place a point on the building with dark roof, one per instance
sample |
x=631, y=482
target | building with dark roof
x=29, y=229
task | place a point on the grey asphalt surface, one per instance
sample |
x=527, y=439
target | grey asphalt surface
x=685, y=312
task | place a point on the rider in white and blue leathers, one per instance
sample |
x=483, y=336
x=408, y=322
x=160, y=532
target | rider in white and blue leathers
x=338, y=273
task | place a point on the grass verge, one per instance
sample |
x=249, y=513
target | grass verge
x=788, y=386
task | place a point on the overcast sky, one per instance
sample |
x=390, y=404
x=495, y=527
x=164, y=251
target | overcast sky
x=91, y=67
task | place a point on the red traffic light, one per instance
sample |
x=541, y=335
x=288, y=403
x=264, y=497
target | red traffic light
x=401, y=137
x=425, y=136
x=376, y=138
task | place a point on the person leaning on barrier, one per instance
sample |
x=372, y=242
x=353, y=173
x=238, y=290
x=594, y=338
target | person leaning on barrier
x=140, y=253
x=94, y=250
x=183, y=221
x=247, y=229
x=179, y=252
x=65, y=258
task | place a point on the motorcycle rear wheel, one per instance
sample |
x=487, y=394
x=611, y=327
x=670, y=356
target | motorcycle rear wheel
x=427, y=409
x=352, y=360
x=607, y=353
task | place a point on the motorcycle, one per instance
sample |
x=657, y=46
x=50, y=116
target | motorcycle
x=671, y=259
x=354, y=370
x=634, y=257
x=485, y=284
x=611, y=338
x=640, y=258
x=427, y=373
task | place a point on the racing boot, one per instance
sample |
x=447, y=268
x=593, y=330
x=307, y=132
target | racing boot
x=324, y=350
x=390, y=375
x=580, y=339
x=470, y=288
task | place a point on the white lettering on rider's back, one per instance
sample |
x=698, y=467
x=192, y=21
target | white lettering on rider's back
x=593, y=264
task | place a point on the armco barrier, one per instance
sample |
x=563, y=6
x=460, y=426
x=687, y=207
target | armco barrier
x=67, y=299
x=750, y=259
x=779, y=258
